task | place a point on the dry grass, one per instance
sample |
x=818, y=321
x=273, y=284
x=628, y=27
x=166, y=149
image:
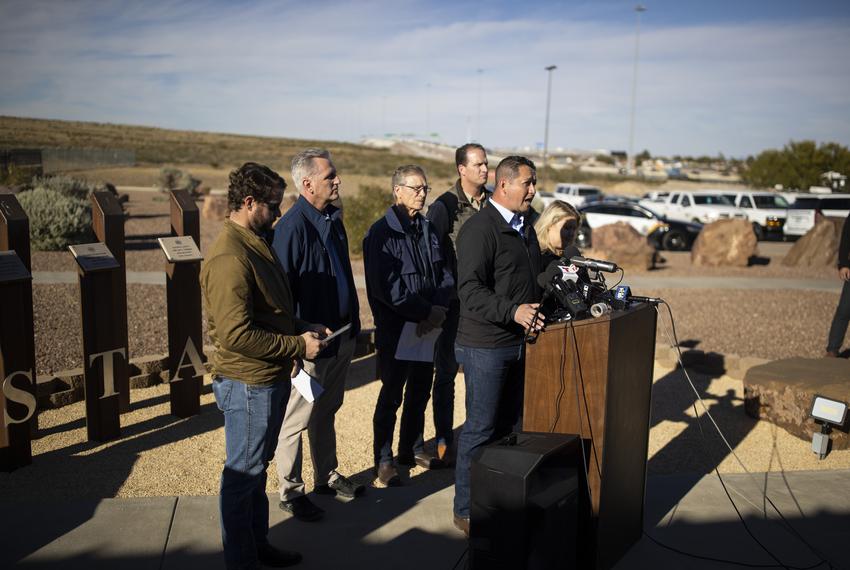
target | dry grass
x=216, y=151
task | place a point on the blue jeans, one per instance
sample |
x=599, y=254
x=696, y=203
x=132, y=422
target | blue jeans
x=495, y=379
x=839, y=322
x=252, y=420
x=410, y=381
x=446, y=366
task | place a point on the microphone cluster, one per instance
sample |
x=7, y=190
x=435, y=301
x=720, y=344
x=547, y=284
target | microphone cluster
x=571, y=294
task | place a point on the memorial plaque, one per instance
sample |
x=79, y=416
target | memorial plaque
x=12, y=268
x=183, y=293
x=93, y=257
x=180, y=249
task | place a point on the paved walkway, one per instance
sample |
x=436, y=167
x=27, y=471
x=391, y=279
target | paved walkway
x=642, y=282
x=410, y=527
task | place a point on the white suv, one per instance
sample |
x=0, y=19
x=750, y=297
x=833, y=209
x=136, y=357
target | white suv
x=576, y=194
x=766, y=210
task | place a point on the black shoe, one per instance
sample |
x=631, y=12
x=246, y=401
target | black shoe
x=302, y=509
x=268, y=555
x=342, y=486
x=421, y=459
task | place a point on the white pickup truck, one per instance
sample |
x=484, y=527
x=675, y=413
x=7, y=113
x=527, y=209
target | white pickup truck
x=699, y=206
x=766, y=210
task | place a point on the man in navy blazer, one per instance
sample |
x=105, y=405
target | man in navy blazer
x=408, y=284
x=312, y=247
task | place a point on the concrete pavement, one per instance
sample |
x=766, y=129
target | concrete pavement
x=410, y=527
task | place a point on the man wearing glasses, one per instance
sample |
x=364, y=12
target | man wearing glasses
x=253, y=327
x=312, y=247
x=409, y=288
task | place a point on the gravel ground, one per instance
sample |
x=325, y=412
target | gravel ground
x=161, y=455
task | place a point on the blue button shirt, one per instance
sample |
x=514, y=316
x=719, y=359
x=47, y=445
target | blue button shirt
x=516, y=221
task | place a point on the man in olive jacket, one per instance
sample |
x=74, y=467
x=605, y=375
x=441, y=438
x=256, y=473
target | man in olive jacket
x=249, y=310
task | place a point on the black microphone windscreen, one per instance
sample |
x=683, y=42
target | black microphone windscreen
x=570, y=252
x=545, y=278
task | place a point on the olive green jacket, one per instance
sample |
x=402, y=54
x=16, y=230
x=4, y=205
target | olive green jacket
x=249, y=309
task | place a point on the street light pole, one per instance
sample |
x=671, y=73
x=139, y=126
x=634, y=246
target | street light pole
x=478, y=116
x=631, y=161
x=427, y=110
x=550, y=69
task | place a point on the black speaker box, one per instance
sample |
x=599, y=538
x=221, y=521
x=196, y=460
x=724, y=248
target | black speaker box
x=529, y=506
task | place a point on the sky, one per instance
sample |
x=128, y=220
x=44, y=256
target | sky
x=736, y=77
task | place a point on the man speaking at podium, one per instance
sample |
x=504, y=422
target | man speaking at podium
x=498, y=263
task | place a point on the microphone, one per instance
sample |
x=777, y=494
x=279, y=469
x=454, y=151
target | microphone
x=560, y=281
x=624, y=293
x=594, y=264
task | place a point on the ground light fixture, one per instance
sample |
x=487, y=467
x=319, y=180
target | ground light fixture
x=827, y=412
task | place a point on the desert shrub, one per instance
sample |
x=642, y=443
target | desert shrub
x=73, y=187
x=175, y=179
x=56, y=219
x=362, y=211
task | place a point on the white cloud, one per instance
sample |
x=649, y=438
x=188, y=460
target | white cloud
x=337, y=71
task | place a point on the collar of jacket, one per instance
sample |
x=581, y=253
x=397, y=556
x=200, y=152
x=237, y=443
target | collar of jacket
x=395, y=223
x=502, y=224
x=322, y=221
x=461, y=195
x=250, y=239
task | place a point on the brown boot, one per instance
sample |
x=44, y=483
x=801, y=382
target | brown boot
x=386, y=476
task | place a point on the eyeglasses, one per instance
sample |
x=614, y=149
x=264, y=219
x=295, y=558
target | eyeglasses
x=417, y=189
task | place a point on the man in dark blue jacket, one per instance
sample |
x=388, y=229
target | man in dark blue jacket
x=312, y=247
x=407, y=282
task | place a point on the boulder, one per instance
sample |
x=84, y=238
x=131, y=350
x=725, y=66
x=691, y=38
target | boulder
x=215, y=208
x=725, y=243
x=819, y=247
x=782, y=391
x=623, y=245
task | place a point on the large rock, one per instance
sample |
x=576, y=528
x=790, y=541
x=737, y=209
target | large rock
x=781, y=392
x=215, y=208
x=623, y=245
x=819, y=247
x=725, y=243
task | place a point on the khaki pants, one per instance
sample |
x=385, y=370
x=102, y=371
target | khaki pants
x=318, y=419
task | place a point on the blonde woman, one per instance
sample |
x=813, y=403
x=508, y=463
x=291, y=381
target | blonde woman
x=556, y=230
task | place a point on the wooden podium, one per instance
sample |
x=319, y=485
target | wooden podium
x=594, y=378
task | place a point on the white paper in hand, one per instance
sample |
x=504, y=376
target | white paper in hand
x=307, y=386
x=416, y=348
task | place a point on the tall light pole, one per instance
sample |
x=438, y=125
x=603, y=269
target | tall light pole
x=631, y=161
x=550, y=69
x=478, y=116
x=427, y=110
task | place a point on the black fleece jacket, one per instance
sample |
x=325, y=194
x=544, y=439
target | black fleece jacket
x=497, y=271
